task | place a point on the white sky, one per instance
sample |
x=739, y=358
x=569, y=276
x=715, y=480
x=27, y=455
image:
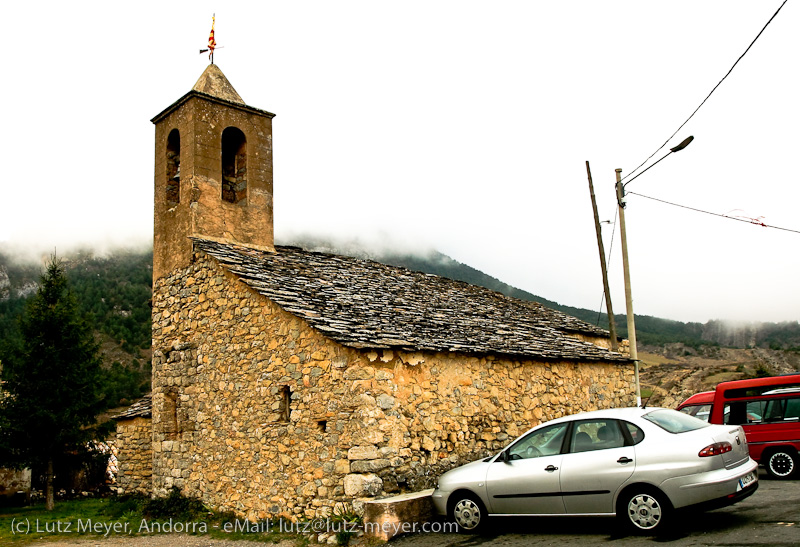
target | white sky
x=457, y=125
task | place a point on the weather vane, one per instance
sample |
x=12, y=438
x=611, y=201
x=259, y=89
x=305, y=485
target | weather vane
x=212, y=43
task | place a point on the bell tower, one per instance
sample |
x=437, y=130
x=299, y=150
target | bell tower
x=213, y=173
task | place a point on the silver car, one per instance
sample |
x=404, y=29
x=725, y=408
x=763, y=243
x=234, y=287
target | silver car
x=634, y=463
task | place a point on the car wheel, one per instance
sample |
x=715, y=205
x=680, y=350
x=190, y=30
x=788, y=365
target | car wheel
x=643, y=510
x=468, y=512
x=781, y=464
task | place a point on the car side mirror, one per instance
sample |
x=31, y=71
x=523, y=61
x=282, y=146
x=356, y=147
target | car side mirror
x=503, y=456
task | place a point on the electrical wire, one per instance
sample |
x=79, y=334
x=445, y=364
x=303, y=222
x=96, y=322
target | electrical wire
x=608, y=264
x=712, y=91
x=751, y=221
x=754, y=221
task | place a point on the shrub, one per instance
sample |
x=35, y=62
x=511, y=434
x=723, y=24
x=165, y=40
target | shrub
x=346, y=522
x=175, y=506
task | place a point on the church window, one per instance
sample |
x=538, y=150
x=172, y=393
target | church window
x=173, y=168
x=234, y=165
x=286, y=403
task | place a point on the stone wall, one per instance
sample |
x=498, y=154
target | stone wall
x=134, y=444
x=14, y=481
x=359, y=424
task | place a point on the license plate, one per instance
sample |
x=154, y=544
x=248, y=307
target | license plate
x=746, y=481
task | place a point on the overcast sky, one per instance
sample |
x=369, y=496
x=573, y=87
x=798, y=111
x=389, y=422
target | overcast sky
x=462, y=126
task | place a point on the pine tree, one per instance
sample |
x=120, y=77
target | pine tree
x=52, y=382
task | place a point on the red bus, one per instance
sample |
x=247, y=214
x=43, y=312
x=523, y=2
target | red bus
x=768, y=409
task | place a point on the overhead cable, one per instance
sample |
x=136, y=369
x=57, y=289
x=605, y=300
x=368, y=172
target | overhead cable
x=755, y=221
x=709, y=95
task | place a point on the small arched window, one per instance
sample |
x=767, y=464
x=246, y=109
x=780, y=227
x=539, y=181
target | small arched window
x=173, y=168
x=234, y=165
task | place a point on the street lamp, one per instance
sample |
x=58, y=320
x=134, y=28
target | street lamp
x=626, y=267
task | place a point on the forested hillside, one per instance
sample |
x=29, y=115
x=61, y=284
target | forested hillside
x=114, y=293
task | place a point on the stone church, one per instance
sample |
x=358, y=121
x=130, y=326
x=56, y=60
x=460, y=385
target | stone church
x=285, y=381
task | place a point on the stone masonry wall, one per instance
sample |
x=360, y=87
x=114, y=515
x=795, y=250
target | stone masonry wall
x=134, y=443
x=359, y=424
x=14, y=481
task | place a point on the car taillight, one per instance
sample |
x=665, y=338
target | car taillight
x=715, y=449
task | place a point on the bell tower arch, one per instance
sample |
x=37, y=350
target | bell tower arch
x=213, y=173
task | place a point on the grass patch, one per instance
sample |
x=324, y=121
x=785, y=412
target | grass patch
x=723, y=376
x=71, y=518
x=132, y=516
x=654, y=359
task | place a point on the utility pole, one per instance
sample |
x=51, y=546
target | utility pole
x=627, y=274
x=612, y=328
x=626, y=268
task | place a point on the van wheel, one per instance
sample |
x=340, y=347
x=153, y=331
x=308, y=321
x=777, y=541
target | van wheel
x=643, y=510
x=468, y=512
x=782, y=464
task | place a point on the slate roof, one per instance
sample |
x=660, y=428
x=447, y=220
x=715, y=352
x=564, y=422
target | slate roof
x=142, y=408
x=365, y=304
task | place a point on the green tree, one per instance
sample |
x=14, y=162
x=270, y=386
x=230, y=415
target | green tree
x=52, y=382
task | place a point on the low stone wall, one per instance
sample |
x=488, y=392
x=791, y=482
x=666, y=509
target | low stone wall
x=134, y=444
x=397, y=515
x=257, y=413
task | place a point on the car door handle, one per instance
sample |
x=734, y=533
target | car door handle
x=551, y=468
x=624, y=459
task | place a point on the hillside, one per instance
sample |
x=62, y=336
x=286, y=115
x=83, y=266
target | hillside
x=673, y=372
x=114, y=292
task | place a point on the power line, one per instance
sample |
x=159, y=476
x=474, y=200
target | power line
x=754, y=221
x=712, y=91
x=608, y=262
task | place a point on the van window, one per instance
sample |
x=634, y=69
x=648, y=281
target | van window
x=762, y=411
x=744, y=412
x=792, y=409
x=781, y=410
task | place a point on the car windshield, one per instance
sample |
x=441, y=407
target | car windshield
x=674, y=421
